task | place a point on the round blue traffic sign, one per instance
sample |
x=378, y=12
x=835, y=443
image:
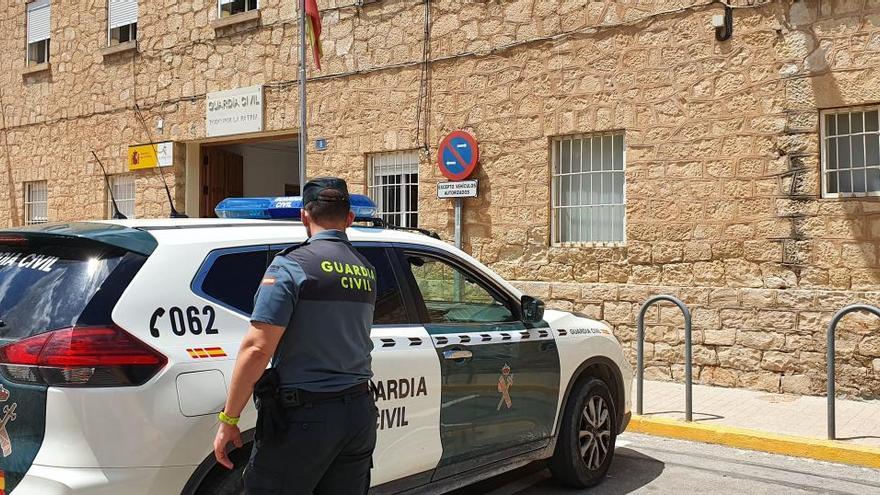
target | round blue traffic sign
x=458, y=155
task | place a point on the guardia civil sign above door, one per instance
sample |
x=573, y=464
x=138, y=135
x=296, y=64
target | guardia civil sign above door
x=235, y=111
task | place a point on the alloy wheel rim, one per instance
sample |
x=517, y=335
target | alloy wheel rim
x=594, y=433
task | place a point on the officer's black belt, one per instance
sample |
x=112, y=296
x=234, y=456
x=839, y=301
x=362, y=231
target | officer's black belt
x=293, y=397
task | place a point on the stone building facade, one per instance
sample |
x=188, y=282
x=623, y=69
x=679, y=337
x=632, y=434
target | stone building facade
x=725, y=202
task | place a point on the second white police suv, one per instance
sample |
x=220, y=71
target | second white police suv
x=118, y=338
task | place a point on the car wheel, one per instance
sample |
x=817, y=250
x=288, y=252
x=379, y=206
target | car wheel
x=586, y=440
x=222, y=481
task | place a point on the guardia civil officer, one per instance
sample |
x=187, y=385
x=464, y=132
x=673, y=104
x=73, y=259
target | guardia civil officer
x=316, y=427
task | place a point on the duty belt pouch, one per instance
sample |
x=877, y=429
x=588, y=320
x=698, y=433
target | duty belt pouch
x=290, y=398
x=270, y=413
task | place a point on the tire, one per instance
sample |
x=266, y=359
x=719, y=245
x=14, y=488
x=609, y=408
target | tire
x=585, y=446
x=222, y=481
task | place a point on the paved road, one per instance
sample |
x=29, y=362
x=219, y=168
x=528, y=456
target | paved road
x=645, y=464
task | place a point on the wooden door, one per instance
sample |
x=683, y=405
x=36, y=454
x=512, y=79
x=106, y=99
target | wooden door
x=222, y=177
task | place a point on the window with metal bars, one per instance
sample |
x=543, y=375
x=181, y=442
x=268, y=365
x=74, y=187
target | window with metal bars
x=123, y=187
x=589, y=201
x=851, y=152
x=394, y=186
x=36, y=204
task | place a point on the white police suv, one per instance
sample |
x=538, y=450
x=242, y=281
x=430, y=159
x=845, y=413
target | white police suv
x=118, y=338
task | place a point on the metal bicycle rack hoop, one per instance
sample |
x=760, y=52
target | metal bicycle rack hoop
x=640, y=354
x=829, y=359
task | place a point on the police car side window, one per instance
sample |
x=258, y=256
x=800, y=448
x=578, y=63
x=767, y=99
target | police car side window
x=390, y=308
x=451, y=295
x=233, y=277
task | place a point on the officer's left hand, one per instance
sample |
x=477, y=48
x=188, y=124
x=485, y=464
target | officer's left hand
x=226, y=433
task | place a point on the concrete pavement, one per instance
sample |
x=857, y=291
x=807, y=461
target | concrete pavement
x=646, y=464
x=857, y=421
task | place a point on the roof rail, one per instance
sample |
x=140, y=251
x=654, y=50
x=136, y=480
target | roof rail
x=382, y=224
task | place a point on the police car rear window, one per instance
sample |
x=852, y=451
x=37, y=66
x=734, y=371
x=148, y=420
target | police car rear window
x=233, y=278
x=46, y=283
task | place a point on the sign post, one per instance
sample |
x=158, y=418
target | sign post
x=457, y=157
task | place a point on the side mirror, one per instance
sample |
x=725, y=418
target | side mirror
x=532, y=309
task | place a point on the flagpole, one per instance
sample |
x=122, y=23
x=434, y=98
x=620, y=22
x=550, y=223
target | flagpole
x=303, y=137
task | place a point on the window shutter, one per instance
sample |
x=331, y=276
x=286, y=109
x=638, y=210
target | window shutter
x=38, y=15
x=122, y=13
x=224, y=2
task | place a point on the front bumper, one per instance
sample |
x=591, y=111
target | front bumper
x=46, y=480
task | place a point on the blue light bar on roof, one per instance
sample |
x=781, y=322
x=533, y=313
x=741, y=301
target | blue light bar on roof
x=287, y=208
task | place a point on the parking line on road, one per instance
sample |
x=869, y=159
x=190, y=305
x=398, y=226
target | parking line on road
x=812, y=448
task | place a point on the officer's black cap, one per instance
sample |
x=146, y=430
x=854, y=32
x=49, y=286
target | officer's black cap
x=315, y=190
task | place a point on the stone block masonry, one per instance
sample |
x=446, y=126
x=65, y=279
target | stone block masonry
x=764, y=339
x=724, y=204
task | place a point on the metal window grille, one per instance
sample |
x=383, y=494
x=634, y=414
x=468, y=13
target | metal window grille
x=394, y=186
x=123, y=187
x=589, y=201
x=36, y=207
x=851, y=152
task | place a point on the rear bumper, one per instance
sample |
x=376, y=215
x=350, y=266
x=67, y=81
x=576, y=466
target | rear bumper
x=45, y=480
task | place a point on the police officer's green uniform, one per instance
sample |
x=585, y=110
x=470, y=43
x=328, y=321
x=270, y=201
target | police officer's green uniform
x=323, y=292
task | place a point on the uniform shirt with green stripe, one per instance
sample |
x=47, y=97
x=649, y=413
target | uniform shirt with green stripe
x=323, y=293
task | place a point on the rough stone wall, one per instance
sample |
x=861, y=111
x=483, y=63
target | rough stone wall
x=723, y=193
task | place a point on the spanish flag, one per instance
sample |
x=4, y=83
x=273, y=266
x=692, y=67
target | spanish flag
x=313, y=30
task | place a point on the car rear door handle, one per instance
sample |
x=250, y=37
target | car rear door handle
x=457, y=354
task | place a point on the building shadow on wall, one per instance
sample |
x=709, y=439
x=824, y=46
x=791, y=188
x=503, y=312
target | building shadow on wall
x=838, y=85
x=825, y=85
x=10, y=181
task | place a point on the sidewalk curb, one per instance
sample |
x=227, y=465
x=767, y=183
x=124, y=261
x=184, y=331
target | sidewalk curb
x=741, y=438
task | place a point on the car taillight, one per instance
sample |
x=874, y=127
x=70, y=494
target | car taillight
x=81, y=356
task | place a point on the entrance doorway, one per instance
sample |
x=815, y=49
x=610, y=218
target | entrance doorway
x=247, y=169
x=222, y=177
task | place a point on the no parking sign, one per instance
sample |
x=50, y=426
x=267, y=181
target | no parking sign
x=458, y=155
x=457, y=158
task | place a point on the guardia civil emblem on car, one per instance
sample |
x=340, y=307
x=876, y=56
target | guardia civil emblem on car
x=505, y=381
x=8, y=415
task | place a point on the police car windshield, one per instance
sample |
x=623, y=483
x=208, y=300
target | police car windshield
x=46, y=283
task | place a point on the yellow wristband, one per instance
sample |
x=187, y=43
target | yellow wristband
x=227, y=419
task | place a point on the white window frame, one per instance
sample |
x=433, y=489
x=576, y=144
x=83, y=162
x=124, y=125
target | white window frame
x=126, y=203
x=405, y=163
x=48, y=39
x=110, y=27
x=555, y=179
x=825, y=149
x=30, y=201
x=220, y=3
